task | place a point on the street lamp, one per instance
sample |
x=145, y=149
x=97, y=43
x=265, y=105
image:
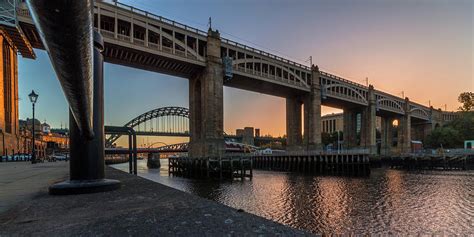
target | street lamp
x=3, y=146
x=33, y=98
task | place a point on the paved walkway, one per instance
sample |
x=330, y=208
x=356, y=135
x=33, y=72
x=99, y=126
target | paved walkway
x=140, y=208
x=21, y=181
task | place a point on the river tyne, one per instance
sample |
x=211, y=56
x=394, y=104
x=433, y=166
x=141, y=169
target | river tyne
x=389, y=202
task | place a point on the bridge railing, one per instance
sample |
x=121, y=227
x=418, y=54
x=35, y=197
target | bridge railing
x=362, y=151
x=156, y=17
x=268, y=75
x=342, y=79
x=263, y=53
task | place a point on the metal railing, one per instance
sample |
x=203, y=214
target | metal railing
x=269, y=55
x=355, y=151
x=155, y=17
x=296, y=81
x=342, y=79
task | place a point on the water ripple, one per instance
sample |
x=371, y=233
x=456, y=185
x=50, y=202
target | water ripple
x=390, y=202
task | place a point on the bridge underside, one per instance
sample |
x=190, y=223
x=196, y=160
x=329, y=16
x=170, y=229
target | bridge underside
x=262, y=86
x=125, y=56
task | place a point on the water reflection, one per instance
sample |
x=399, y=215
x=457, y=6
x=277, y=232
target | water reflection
x=390, y=202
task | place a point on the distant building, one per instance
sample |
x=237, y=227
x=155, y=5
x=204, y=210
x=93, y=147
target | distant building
x=239, y=132
x=257, y=132
x=45, y=128
x=332, y=122
x=247, y=134
x=47, y=140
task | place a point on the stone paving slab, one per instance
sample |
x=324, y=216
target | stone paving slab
x=140, y=208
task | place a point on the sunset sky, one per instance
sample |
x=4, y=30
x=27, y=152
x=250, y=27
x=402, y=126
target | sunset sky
x=421, y=47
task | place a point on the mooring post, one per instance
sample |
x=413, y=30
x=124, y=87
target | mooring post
x=130, y=153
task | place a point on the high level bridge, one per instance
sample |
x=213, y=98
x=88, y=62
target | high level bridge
x=140, y=39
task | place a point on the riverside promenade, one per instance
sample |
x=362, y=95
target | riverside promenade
x=140, y=207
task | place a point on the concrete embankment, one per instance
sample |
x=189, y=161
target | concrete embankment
x=141, y=207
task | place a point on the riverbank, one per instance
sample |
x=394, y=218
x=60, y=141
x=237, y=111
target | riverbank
x=140, y=207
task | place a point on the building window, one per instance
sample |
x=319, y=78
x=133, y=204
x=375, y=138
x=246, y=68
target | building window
x=7, y=86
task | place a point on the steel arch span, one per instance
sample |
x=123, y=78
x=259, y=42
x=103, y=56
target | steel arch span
x=175, y=122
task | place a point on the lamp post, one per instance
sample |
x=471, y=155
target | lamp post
x=3, y=147
x=33, y=98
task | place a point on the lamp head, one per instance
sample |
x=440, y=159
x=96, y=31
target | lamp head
x=33, y=97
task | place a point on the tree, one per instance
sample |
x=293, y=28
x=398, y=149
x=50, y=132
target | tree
x=331, y=138
x=464, y=125
x=444, y=136
x=326, y=138
x=467, y=101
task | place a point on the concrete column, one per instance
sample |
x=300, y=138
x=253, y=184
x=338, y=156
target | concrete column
x=312, y=113
x=386, y=136
x=206, y=104
x=368, y=124
x=293, y=123
x=404, y=136
x=350, y=128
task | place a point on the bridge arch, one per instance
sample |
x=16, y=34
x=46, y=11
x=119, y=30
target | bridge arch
x=356, y=94
x=419, y=111
x=390, y=103
x=244, y=61
x=152, y=114
x=178, y=147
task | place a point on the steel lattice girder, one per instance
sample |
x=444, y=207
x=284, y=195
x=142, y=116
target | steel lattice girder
x=152, y=114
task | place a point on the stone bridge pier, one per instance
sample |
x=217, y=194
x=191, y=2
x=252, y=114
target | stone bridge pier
x=386, y=136
x=360, y=125
x=368, y=124
x=206, y=107
x=312, y=117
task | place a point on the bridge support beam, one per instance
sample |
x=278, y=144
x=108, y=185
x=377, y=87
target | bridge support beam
x=87, y=165
x=293, y=123
x=206, y=107
x=421, y=130
x=312, y=113
x=350, y=128
x=368, y=124
x=386, y=139
x=404, y=134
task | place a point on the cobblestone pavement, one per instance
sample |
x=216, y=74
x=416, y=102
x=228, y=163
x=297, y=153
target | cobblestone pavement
x=141, y=207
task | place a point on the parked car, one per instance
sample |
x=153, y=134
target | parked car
x=59, y=157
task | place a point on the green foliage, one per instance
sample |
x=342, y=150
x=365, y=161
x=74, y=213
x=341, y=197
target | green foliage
x=444, y=136
x=467, y=101
x=453, y=134
x=330, y=138
x=464, y=125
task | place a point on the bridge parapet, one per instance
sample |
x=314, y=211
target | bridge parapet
x=419, y=111
x=143, y=29
x=389, y=102
x=339, y=88
x=259, y=64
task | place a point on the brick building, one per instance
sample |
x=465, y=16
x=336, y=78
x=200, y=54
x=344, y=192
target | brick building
x=9, y=114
